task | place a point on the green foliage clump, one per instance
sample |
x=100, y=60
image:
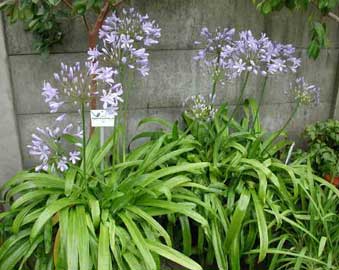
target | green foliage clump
x=44, y=18
x=323, y=144
x=261, y=212
x=108, y=222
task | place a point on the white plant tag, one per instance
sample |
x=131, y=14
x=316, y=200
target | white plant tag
x=102, y=118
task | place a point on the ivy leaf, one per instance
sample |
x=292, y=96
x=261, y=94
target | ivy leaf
x=290, y=4
x=313, y=49
x=320, y=33
x=323, y=4
x=266, y=8
x=276, y=4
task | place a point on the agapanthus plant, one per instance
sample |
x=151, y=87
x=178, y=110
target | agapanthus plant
x=73, y=86
x=125, y=38
x=244, y=159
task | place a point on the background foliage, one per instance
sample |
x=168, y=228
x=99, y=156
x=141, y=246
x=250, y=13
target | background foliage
x=44, y=18
x=318, y=10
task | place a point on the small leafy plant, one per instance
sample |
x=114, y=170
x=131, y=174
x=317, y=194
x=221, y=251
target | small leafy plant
x=323, y=147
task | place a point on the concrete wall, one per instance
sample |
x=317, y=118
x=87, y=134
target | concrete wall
x=174, y=75
x=10, y=156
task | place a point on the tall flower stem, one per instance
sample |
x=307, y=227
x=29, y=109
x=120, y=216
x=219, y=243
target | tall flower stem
x=216, y=76
x=125, y=81
x=240, y=98
x=261, y=100
x=92, y=36
x=83, y=140
x=283, y=128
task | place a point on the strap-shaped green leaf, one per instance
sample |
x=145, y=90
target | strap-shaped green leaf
x=49, y=211
x=139, y=241
x=172, y=255
x=237, y=218
x=151, y=222
x=82, y=235
x=262, y=226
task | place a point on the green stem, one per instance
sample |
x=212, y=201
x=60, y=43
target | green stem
x=126, y=82
x=83, y=140
x=261, y=100
x=242, y=91
x=216, y=77
x=283, y=128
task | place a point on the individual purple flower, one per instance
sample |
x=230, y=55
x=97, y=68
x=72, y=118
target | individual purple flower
x=144, y=71
x=106, y=74
x=93, y=54
x=42, y=167
x=60, y=118
x=54, y=106
x=111, y=98
x=39, y=148
x=126, y=42
x=304, y=93
x=74, y=156
x=62, y=164
x=49, y=92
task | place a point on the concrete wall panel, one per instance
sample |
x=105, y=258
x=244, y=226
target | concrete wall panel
x=10, y=157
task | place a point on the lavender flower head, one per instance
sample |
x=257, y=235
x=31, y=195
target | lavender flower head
x=124, y=41
x=200, y=108
x=213, y=45
x=260, y=56
x=72, y=85
x=304, y=93
x=49, y=144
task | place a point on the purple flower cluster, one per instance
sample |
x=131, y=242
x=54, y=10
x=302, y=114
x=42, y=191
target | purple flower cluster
x=214, y=44
x=304, y=93
x=74, y=86
x=123, y=40
x=48, y=145
x=260, y=56
x=200, y=108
